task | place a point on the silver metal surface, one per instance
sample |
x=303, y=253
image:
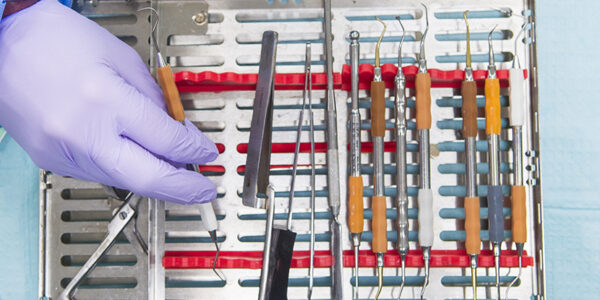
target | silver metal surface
x=471, y=165
x=468, y=74
x=209, y=219
x=474, y=274
x=427, y=269
x=179, y=18
x=355, y=120
x=297, y=146
x=42, y=246
x=264, y=274
x=377, y=74
x=497, y=248
x=333, y=174
x=536, y=216
x=232, y=44
x=492, y=62
x=308, y=94
x=422, y=57
x=156, y=249
x=337, y=282
x=424, y=168
x=355, y=142
x=424, y=153
x=77, y=215
x=401, y=159
x=160, y=60
x=120, y=220
x=494, y=158
x=401, y=163
x=356, y=246
x=403, y=278
x=333, y=171
x=258, y=160
x=380, y=263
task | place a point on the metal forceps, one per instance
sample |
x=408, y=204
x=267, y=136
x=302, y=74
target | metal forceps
x=121, y=222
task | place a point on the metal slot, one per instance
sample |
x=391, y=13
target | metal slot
x=196, y=61
x=88, y=238
x=104, y=283
x=488, y=281
x=501, y=12
x=104, y=20
x=109, y=260
x=190, y=102
x=83, y=194
x=474, y=36
x=210, y=126
x=279, y=16
x=195, y=40
x=384, y=16
x=284, y=38
x=86, y=216
x=476, y=58
x=282, y=60
x=129, y=40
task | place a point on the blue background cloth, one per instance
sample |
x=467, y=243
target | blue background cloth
x=18, y=223
x=570, y=152
x=568, y=65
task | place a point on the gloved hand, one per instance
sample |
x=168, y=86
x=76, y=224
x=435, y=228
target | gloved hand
x=83, y=104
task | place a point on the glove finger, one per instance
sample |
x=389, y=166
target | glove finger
x=135, y=169
x=155, y=130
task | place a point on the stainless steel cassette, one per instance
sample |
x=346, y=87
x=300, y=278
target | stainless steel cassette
x=74, y=213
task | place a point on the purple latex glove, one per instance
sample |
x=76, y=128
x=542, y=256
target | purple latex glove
x=83, y=104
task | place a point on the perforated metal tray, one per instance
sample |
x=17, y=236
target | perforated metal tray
x=74, y=214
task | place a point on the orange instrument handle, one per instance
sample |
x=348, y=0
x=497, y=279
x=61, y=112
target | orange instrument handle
x=378, y=108
x=519, y=214
x=379, y=224
x=493, y=124
x=167, y=84
x=356, y=220
x=472, y=226
x=469, y=108
x=423, y=100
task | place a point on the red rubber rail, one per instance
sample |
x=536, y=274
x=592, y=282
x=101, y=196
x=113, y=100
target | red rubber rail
x=366, y=147
x=242, y=169
x=213, y=169
x=439, y=78
x=323, y=259
x=208, y=81
x=287, y=147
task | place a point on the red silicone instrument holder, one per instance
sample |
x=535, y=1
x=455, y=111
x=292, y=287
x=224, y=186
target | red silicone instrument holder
x=439, y=78
x=287, y=147
x=208, y=81
x=218, y=82
x=323, y=259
